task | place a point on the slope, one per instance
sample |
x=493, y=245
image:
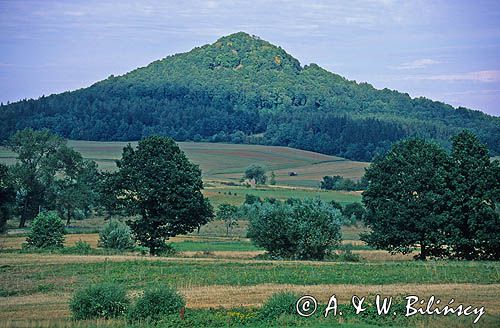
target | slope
x=242, y=89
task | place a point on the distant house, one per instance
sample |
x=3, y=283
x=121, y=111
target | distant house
x=249, y=183
x=292, y=174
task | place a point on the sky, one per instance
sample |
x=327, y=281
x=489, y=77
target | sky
x=443, y=50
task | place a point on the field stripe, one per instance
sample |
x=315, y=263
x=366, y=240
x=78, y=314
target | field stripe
x=39, y=306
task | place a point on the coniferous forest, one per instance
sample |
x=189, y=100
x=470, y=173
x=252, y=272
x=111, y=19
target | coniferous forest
x=242, y=89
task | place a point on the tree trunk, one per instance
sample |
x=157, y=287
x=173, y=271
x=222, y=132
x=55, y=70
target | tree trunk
x=423, y=252
x=68, y=220
x=24, y=214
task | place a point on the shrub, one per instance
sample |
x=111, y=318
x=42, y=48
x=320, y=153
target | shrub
x=105, y=300
x=81, y=247
x=303, y=230
x=47, y=231
x=116, y=235
x=155, y=303
x=278, y=304
x=346, y=255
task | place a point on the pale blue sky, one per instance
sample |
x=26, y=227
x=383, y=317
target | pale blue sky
x=444, y=50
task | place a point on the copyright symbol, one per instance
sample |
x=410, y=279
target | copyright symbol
x=306, y=306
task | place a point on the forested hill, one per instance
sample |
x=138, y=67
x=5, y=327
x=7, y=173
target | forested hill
x=242, y=89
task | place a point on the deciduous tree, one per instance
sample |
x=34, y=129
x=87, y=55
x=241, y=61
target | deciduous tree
x=404, y=199
x=157, y=183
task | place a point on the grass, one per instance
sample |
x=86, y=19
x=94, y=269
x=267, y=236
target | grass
x=211, y=246
x=227, y=162
x=24, y=278
x=236, y=195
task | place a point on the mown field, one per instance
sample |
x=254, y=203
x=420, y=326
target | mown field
x=227, y=162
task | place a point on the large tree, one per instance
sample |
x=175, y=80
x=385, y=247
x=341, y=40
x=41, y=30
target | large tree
x=256, y=172
x=34, y=169
x=473, y=224
x=404, y=199
x=162, y=187
x=75, y=185
x=50, y=175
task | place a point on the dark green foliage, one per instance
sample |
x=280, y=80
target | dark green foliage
x=257, y=173
x=404, y=199
x=242, y=89
x=345, y=254
x=74, y=186
x=47, y=231
x=303, y=230
x=162, y=187
x=7, y=196
x=340, y=183
x=116, y=235
x=35, y=169
x=272, y=180
x=282, y=303
x=335, y=205
x=106, y=300
x=155, y=303
x=473, y=224
x=419, y=195
x=353, y=213
x=81, y=247
x=50, y=175
x=252, y=199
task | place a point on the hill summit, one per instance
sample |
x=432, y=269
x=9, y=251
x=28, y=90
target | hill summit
x=242, y=89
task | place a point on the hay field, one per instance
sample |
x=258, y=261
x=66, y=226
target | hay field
x=227, y=162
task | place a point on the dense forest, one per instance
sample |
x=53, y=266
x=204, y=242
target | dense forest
x=242, y=89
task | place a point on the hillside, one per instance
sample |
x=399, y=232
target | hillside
x=242, y=89
x=227, y=162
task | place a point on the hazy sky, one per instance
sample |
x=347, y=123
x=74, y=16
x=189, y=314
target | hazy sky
x=444, y=50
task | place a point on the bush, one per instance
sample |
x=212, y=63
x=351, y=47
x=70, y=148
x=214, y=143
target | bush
x=116, y=235
x=47, y=231
x=345, y=255
x=155, y=303
x=277, y=305
x=105, y=300
x=80, y=247
x=303, y=230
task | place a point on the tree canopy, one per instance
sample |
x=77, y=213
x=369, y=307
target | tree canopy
x=49, y=175
x=419, y=196
x=159, y=185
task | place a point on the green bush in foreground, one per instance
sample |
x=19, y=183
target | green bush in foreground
x=47, y=231
x=282, y=303
x=105, y=300
x=303, y=230
x=155, y=303
x=116, y=235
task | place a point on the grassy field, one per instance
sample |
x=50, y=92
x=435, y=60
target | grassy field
x=218, y=274
x=227, y=162
x=236, y=195
x=225, y=278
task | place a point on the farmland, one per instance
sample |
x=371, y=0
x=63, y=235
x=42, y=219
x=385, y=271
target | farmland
x=213, y=271
x=227, y=162
x=223, y=277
